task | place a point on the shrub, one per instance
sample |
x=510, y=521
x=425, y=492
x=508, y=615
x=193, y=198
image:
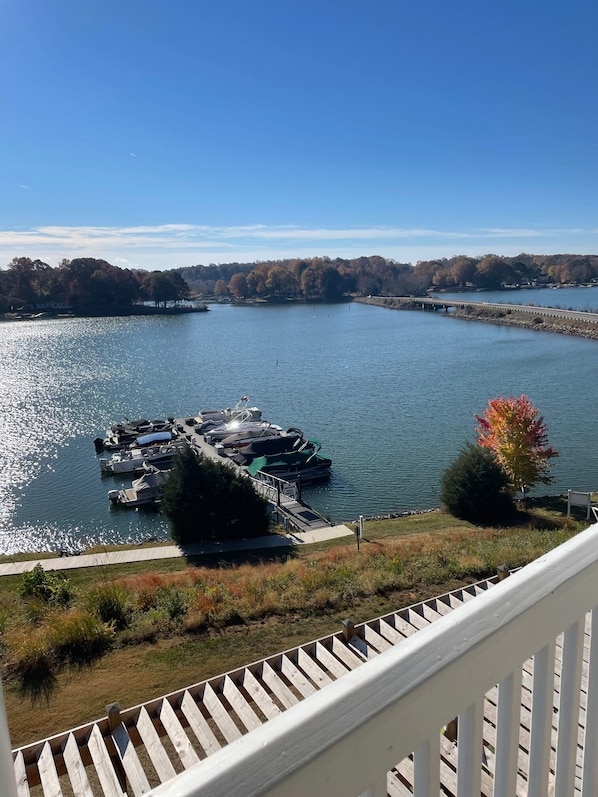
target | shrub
x=174, y=601
x=112, y=604
x=78, y=637
x=206, y=500
x=476, y=488
x=49, y=587
x=31, y=660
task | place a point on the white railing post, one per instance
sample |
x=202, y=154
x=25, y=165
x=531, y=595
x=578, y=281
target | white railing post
x=590, y=742
x=541, y=730
x=507, y=735
x=426, y=768
x=469, y=750
x=568, y=717
x=7, y=768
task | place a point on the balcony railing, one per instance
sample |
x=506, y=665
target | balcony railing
x=485, y=691
x=520, y=643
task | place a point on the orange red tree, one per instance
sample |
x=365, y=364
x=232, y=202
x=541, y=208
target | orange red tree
x=515, y=431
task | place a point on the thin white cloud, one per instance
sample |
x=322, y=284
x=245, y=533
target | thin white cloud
x=164, y=245
x=24, y=187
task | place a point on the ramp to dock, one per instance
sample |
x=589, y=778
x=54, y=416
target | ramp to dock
x=284, y=496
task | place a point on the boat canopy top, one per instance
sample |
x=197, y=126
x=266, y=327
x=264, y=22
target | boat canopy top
x=292, y=459
x=154, y=437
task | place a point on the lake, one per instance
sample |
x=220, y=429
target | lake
x=390, y=395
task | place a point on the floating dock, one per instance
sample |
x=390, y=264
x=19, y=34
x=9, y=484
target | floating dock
x=284, y=496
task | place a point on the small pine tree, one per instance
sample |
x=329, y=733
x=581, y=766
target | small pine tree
x=476, y=488
x=207, y=500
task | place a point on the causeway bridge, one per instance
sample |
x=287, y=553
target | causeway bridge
x=428, y=303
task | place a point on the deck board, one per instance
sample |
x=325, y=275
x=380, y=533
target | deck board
x=76, y=768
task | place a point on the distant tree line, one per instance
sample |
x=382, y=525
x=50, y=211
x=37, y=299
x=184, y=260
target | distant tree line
x=85, y=285
x=88, y=285
x=323, y=278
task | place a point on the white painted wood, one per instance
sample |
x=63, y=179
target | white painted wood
x=469, y=750
x=99, y=755
x=278, y=687
x=345, y=654
x=590, y=747
x=329, y=662
x=507, y=735
x=7, y=771
x=541, y=721
x=568, y=717
x=76, y=768
x=380, y=712
x=311, y=668
x=296, y=677
x=225, y=724
x=238, y=703
x=254, y=688
x=389, y=632
x=137, y=779
x=375, y=640
x=199, y=725
x=377, y=789
x=426, y=768
x=150, y=738
x=20, y=776
x=47, y=772
x=176, y=733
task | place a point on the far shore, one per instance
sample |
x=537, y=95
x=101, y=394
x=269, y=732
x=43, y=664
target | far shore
x=135, y=310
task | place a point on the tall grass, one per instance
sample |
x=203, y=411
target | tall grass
x=147, y=606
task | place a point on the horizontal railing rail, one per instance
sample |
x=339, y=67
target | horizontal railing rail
x=347, y=737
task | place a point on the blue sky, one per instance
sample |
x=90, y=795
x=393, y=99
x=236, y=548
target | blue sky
x=157, y=134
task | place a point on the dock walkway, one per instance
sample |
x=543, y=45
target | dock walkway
x=296, y=515
x=103, y=558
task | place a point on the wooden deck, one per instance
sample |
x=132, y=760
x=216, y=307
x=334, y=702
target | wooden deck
x=133, y=751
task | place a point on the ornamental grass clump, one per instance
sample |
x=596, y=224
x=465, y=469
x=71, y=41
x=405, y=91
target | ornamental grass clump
x=77, y=637
x=112, y=603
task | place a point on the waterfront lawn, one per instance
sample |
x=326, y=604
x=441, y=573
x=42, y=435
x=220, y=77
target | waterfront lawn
x=174, y=623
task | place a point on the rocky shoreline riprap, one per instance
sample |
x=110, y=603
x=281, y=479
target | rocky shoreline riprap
x=536, y=321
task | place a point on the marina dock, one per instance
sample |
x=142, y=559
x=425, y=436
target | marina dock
x=284, y=496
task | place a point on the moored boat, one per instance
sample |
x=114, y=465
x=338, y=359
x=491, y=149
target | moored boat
x=121, y=435
x=143, y=491
x=208, y=419
x=245, y=428
x=132, y=460
x=306, y=465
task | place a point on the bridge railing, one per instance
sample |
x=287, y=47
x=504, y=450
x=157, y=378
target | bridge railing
x=273, y=488
x=344, y=739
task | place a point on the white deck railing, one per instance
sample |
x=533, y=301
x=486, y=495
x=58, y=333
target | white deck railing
x=344, y=739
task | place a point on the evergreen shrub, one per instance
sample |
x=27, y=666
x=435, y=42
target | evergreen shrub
x=476, y=488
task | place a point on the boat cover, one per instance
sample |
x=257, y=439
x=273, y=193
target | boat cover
x=289, y=459
x=154, y=437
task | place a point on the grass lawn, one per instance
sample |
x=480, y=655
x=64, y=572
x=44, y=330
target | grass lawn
x=173, y=623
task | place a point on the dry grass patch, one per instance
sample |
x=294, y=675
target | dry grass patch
x=181, y=624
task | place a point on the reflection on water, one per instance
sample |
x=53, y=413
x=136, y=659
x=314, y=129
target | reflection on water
x=390, y=395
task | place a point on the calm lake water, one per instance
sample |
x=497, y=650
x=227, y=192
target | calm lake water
x=391, y=396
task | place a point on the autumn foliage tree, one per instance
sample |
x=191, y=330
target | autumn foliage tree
x=516, y=433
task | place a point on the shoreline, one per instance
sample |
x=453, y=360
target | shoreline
x=137, y=310
x=536, y=322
